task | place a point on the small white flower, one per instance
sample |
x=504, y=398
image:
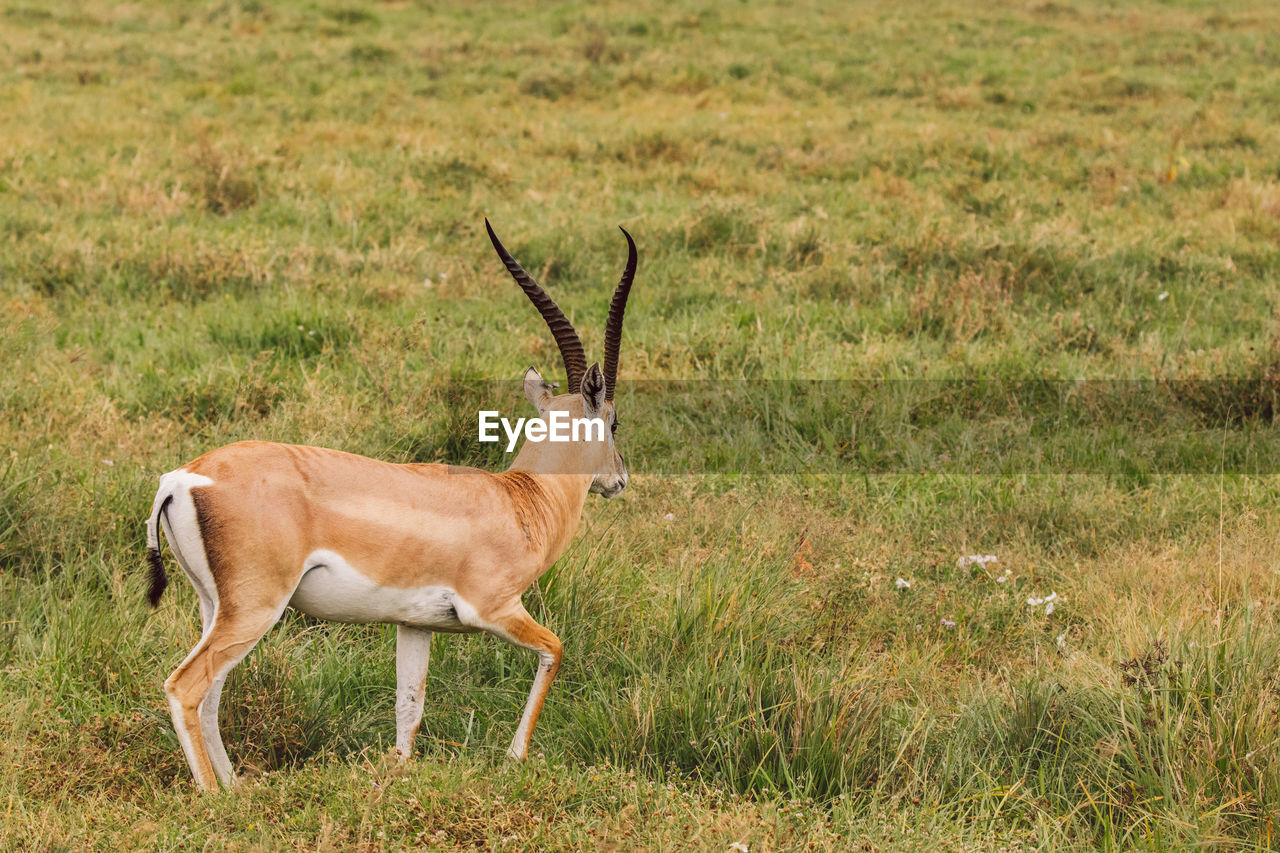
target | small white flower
x=108, y=463
x=671, y=516
x=946, y=623
x=1004, y=577
x=976, y=560
x=739, y=847
x=1062, y=642
x=1048, y=601
x=1162, y=297
x=902, y=583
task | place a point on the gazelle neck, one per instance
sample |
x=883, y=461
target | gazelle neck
x=564, y=488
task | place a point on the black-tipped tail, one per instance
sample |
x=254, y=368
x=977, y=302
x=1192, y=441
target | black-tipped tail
x=159, y=578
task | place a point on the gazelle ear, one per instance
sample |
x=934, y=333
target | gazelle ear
x=537, y=390
x=593, y=390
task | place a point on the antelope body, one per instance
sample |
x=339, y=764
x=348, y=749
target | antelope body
x=258, y=527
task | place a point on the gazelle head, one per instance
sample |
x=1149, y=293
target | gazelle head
x=589, y=389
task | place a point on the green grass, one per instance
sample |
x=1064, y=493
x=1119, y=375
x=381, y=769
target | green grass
x=916, y=282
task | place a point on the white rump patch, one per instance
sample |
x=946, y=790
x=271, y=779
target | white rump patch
x=182, y=529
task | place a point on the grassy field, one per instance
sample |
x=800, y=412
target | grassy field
x=917, y=282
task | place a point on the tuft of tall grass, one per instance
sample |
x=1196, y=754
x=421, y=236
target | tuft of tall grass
x=716, y=677
x=14, y=511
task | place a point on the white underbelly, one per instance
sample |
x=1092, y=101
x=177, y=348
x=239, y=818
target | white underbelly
x=333, y=589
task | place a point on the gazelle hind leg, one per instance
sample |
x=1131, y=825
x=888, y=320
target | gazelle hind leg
x=189, y=553
x=213, y=736
x=209, y=707
x=413, y=654
x=223, y=646
x=519, y=629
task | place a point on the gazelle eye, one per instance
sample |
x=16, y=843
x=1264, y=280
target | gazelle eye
x=613, y=427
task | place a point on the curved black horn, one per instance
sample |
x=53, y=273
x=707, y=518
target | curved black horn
x=613, y=327
x=575, y=360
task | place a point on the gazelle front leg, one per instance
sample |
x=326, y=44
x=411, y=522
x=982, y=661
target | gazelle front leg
x=520, y=629
x=413, y=653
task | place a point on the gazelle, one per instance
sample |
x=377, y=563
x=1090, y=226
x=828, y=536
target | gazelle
x=259, y=527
